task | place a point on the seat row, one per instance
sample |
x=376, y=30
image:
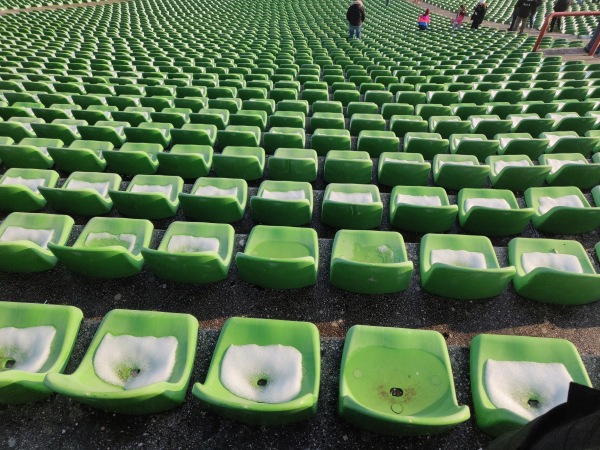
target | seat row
x=392, y=380
x=369, y=262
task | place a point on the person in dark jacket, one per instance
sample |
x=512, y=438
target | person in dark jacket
x=356, y=16
x=559, y=6
x=523, y=10
x=478, y=14
x=536, y=5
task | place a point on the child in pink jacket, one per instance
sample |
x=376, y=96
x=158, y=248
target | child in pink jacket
x=460, y=16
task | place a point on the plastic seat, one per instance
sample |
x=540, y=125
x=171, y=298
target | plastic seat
x=402, y=124
x=515, y=172
x=249, y=118
x=562, y=210
x=426, y=144
x=323, y=140
x=26, y=386
x=291, y=253
x=19, y=189
x=24, y=239
x=247, y=163
x=421, y=209
x=370, y=262
x=110, y=131
x=122, y=327
x=18, y=130
x=530, y=123
x=288, y=119
x=194, y=134
x=466, y=110
x=381, y=387
x=569, y=142
x=489, y=125
x=459, y=171
x=192, y=253
x=521, y=144
x=448, y=125
x=360, y=122
x=133, y=158
x=29, y=153
x=327, y=120
x=428, y=110
x=81, y=155
x=281, y=137
x=346, y=166
x=473, y=144
x=148, y=197
x=492, y=357
x=150, y=133
x=265, y=335
x=462, y=267
x=215, y=200
x=352, y=206
x=293, y=164
x=407, y=169
x=83, y=193
x=571, y=122
x=554, y=271
x=211, y=116
x=571, y=169
x=66, y=132
x=287, y=203
x=491, y=212
x=239, y=136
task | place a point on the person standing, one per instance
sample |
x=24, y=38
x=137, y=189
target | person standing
x=536, y=5
x=523, y=10
x=460, y=16
x=478, y=14
x=356, y=16
x=559, y=6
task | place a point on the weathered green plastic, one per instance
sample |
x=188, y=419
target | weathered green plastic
x=194, y=266
x=580, y=174
x=348, y=166
x=25, y=256
x=133, y=159
x=550, y=285
x=194, y=134
x=473, y=144
x=398, y=381
x=426, y=144
x=569, y=142
x=280, y=211
x=562, y=219
x=81, y=155
x=463, y=283
x=84, y=202
x=521, y=144
x=281, y=137
x=303, y=336
x=247, y=163
x=496, y=421
x=99, y=260
x=346, y=214
x=370, y=262
x=516, y=178
x=459, y=176
x=148, y=205
x=86, y=387
x=293, y=164
x=150, y=132
x=18, y=197
x=186, y=161
x=29, y=153
x=223, y=207
x=403, y=169
x=17, y=386
x=422, y=218
x=491, y=221
x=325, y=139
x=376, y=142
x=278, y=257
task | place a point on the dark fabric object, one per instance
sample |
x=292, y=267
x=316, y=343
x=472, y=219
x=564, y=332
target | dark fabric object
x=524, y=8
x=356, y=14
x=574, y=425
x=561, y=5
x=478, y=15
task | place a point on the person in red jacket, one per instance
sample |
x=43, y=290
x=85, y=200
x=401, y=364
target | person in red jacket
x=356, y=16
